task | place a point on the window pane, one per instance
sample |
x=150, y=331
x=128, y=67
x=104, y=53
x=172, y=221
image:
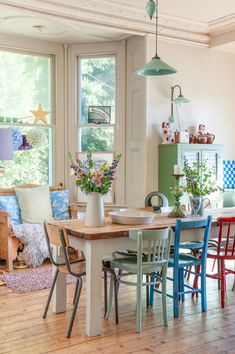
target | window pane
x=98, y=81
x=100, y=139
x=25, y=81
x=29, y=166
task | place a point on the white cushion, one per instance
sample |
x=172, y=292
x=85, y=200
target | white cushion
x=35, y=204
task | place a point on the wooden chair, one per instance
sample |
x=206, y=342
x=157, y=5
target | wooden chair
x=154, y=262
x=8, y=241
x=225, y=250
x=180, y=262
x=76, y=268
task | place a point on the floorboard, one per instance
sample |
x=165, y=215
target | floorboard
x=23, y=331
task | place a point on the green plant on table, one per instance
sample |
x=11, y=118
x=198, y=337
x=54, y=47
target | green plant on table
x=200, y=180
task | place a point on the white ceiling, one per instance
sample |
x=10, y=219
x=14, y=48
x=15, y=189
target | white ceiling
x=197, y=10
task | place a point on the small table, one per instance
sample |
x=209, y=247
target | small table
x=100, y=242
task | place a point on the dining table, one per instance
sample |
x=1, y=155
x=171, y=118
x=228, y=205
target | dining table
x=98, y=243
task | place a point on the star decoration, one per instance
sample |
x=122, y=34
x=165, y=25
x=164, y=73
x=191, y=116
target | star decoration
x=40, y=114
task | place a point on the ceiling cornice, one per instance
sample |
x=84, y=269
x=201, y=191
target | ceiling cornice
x=222, y=25
x=128, y=18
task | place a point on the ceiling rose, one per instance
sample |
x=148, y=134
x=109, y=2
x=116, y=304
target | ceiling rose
x=28, y=25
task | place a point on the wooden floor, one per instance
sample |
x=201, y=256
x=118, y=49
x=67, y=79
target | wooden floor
x=23, y=331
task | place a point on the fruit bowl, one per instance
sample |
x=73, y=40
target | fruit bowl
x=131, y=217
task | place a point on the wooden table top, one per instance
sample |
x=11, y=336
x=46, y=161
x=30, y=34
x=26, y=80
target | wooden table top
x=76, y=227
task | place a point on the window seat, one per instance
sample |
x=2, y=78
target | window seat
x=8, y=241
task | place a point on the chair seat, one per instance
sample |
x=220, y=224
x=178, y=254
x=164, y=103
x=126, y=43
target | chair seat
x=129, y=264
x=185, y=260
x=76, y=267
x=213, y=253
x=191, y=245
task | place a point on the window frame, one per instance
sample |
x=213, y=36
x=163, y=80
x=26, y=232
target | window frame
x=116, y=49
x=51, y=125
x=35, y=46
x=80, y=125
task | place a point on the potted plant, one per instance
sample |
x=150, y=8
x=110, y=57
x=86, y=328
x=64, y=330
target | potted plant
x=95, y=179
x=200, y=182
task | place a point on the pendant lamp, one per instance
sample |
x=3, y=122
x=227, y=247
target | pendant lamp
x=156, y=66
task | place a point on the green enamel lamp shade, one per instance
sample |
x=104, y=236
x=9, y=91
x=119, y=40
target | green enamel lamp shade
x=171, y=119
x=156, y=67
x=181, y=99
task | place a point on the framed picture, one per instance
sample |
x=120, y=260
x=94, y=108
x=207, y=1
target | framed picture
x=99, y=114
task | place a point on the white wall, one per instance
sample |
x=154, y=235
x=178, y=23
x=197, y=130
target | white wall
x=207, y=78
x=135, y=123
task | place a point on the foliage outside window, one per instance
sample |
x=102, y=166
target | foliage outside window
x=25, y=81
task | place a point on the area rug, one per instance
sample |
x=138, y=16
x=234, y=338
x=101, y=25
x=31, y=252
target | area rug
x=31, y=280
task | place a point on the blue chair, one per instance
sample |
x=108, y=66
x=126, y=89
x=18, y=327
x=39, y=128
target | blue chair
x=181, y=261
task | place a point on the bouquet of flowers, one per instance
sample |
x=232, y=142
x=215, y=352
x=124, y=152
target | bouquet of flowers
x=200, y=180
x=92, y=176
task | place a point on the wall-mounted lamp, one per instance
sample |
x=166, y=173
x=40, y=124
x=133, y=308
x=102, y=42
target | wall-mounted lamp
x=178, y=100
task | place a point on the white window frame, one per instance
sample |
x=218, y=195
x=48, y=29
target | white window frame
x=56, y=52
x=116, y=49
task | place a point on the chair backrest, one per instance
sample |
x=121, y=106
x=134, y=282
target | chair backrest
x=192, y=225
x=161, y=196
x=226, y=239
x=158, y=245
x=53, y=237
x=57, y=236
x=11, y=191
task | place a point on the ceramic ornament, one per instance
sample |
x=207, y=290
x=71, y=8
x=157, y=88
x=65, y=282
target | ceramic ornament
x=167, y=134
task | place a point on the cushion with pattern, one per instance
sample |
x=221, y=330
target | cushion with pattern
x=9, y=203
x=60, y=204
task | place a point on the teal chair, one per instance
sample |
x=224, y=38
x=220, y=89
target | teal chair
x=184, y=262
x=153, y=248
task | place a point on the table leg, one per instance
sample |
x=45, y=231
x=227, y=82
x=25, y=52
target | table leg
x=59, y=293
x=93, y=253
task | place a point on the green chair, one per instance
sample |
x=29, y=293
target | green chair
x=153, y=248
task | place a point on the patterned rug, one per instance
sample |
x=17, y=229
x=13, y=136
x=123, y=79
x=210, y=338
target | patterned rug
x=31, y=280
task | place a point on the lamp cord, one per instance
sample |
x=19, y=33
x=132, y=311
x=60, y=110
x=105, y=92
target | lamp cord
x=157, y=6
